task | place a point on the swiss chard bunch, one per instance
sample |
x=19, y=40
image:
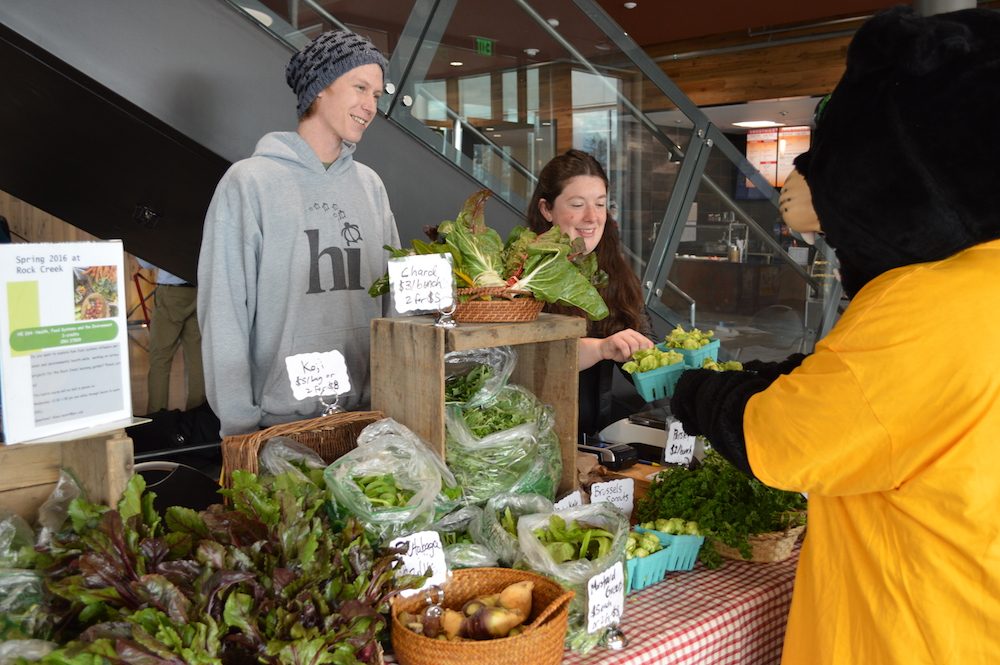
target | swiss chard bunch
x=265, y=579
x=549, y=265
x=727, y=504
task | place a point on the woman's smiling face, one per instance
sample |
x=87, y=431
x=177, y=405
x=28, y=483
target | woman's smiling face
x=580, y=211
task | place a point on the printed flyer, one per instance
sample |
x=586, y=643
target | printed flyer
x=64, y=339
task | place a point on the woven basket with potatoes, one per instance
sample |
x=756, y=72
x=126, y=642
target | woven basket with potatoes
x=471, y=632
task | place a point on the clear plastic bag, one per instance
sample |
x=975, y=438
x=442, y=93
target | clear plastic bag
x=387, y=447
x=52, y=513
x=508, y=445
x=13, y=651
x=490, y=531
x=17, y=541
x=474, y=377
x=281, y=454
x=22, y=611
x=575, y=574
x=459, y=550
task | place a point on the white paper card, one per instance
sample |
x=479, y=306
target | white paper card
x=425, y=551
x=318, y=374
x=63, y=338
x=605, y=598
x=571, y=500
x=680, y=445
x=618, y=492
x=422, y=283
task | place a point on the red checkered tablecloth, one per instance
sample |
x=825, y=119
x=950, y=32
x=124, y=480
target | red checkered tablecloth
x=732, y=615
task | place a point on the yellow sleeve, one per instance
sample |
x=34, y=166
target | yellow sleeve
x=814, y=431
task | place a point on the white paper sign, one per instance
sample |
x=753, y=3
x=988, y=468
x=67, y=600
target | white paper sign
x=605, y=598
x=571, y=500
x=680, y=445
x=425, y=551
x=618, y=492
x=63, y=338
x=422, y=283
x=318, y=374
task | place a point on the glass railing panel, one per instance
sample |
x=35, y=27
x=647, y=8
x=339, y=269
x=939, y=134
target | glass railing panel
x=738, y=271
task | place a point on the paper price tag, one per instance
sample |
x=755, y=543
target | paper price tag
x=422, y=283
x=618, y=492
x=605, y=598
x=680, y=445
x=424, y=550
x=318, y=374
x=569, y=501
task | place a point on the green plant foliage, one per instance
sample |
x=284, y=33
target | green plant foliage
x=267, y=578
x=728, y=505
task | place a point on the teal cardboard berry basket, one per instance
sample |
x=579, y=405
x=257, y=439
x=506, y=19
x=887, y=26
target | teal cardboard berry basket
x=658, y=383
x=682, y=550
x=693, y=358
x=643, y=571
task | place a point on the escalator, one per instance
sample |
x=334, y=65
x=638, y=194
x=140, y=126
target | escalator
x=482, y=94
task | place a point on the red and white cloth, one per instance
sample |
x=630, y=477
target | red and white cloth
x=735, y=614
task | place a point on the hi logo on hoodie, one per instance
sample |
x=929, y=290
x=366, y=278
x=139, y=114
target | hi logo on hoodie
x=344, y=263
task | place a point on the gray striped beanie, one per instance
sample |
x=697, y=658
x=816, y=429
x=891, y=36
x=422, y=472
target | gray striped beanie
x=324, y=59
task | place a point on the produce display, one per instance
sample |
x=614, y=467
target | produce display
x=484, y=618
x=497, y=529
x=549, y=266
x=675, y=525
x=463, y=387
x=646, y=360
x=573, y=540
x=727, y=505
x=381, y=490
x=678, y=338
x=641, y=545
x=725, y=366
x=266, y=578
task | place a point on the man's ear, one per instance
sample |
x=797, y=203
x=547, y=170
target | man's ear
x=795, y=203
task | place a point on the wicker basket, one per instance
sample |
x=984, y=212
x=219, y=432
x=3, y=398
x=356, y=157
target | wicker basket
x=541, y=643
x=496, y=305
x=765, y=547
x=330, y=436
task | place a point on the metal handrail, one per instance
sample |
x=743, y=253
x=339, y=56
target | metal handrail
x=691, y=303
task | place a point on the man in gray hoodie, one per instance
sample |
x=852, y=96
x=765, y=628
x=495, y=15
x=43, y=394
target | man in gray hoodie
x=293, y=237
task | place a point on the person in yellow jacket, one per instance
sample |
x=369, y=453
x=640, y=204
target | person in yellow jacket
x=892, y=424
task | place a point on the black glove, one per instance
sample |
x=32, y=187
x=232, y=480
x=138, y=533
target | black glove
x=772, y=370
x=711, y=404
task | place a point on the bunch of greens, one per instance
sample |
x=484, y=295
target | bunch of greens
x=265, y=579
x=507, y=445
x=550, y=266
x=567, y=541
x=461, y=388
x=728, y=505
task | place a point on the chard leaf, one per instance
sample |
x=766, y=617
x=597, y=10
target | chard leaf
x=552, y=277
x=186, y=520
x=158, y=591
x=130, y=504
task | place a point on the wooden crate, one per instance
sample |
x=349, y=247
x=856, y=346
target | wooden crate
x=408, y=371
x=29, y=471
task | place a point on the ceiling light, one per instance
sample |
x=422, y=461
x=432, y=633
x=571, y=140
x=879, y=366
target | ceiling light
x=631, y=5
x=456, y=63
x=546, y=123
x=758, y=124
x=554, y=22
x=496, y=136
x=489, y=129
x=531, y=52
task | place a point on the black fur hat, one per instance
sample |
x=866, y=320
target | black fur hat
x=904, y=165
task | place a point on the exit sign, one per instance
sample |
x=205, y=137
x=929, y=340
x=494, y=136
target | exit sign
x=484, y=46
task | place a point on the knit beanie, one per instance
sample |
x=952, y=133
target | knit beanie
x=324, y=59
x=903, y=164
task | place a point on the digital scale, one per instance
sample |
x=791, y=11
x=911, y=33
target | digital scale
x=640, y=437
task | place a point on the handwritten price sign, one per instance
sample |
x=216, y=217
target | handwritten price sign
x=421, y=283
x=680, y=445
x=605, y=598
x=318, y=374
x=424, y=551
